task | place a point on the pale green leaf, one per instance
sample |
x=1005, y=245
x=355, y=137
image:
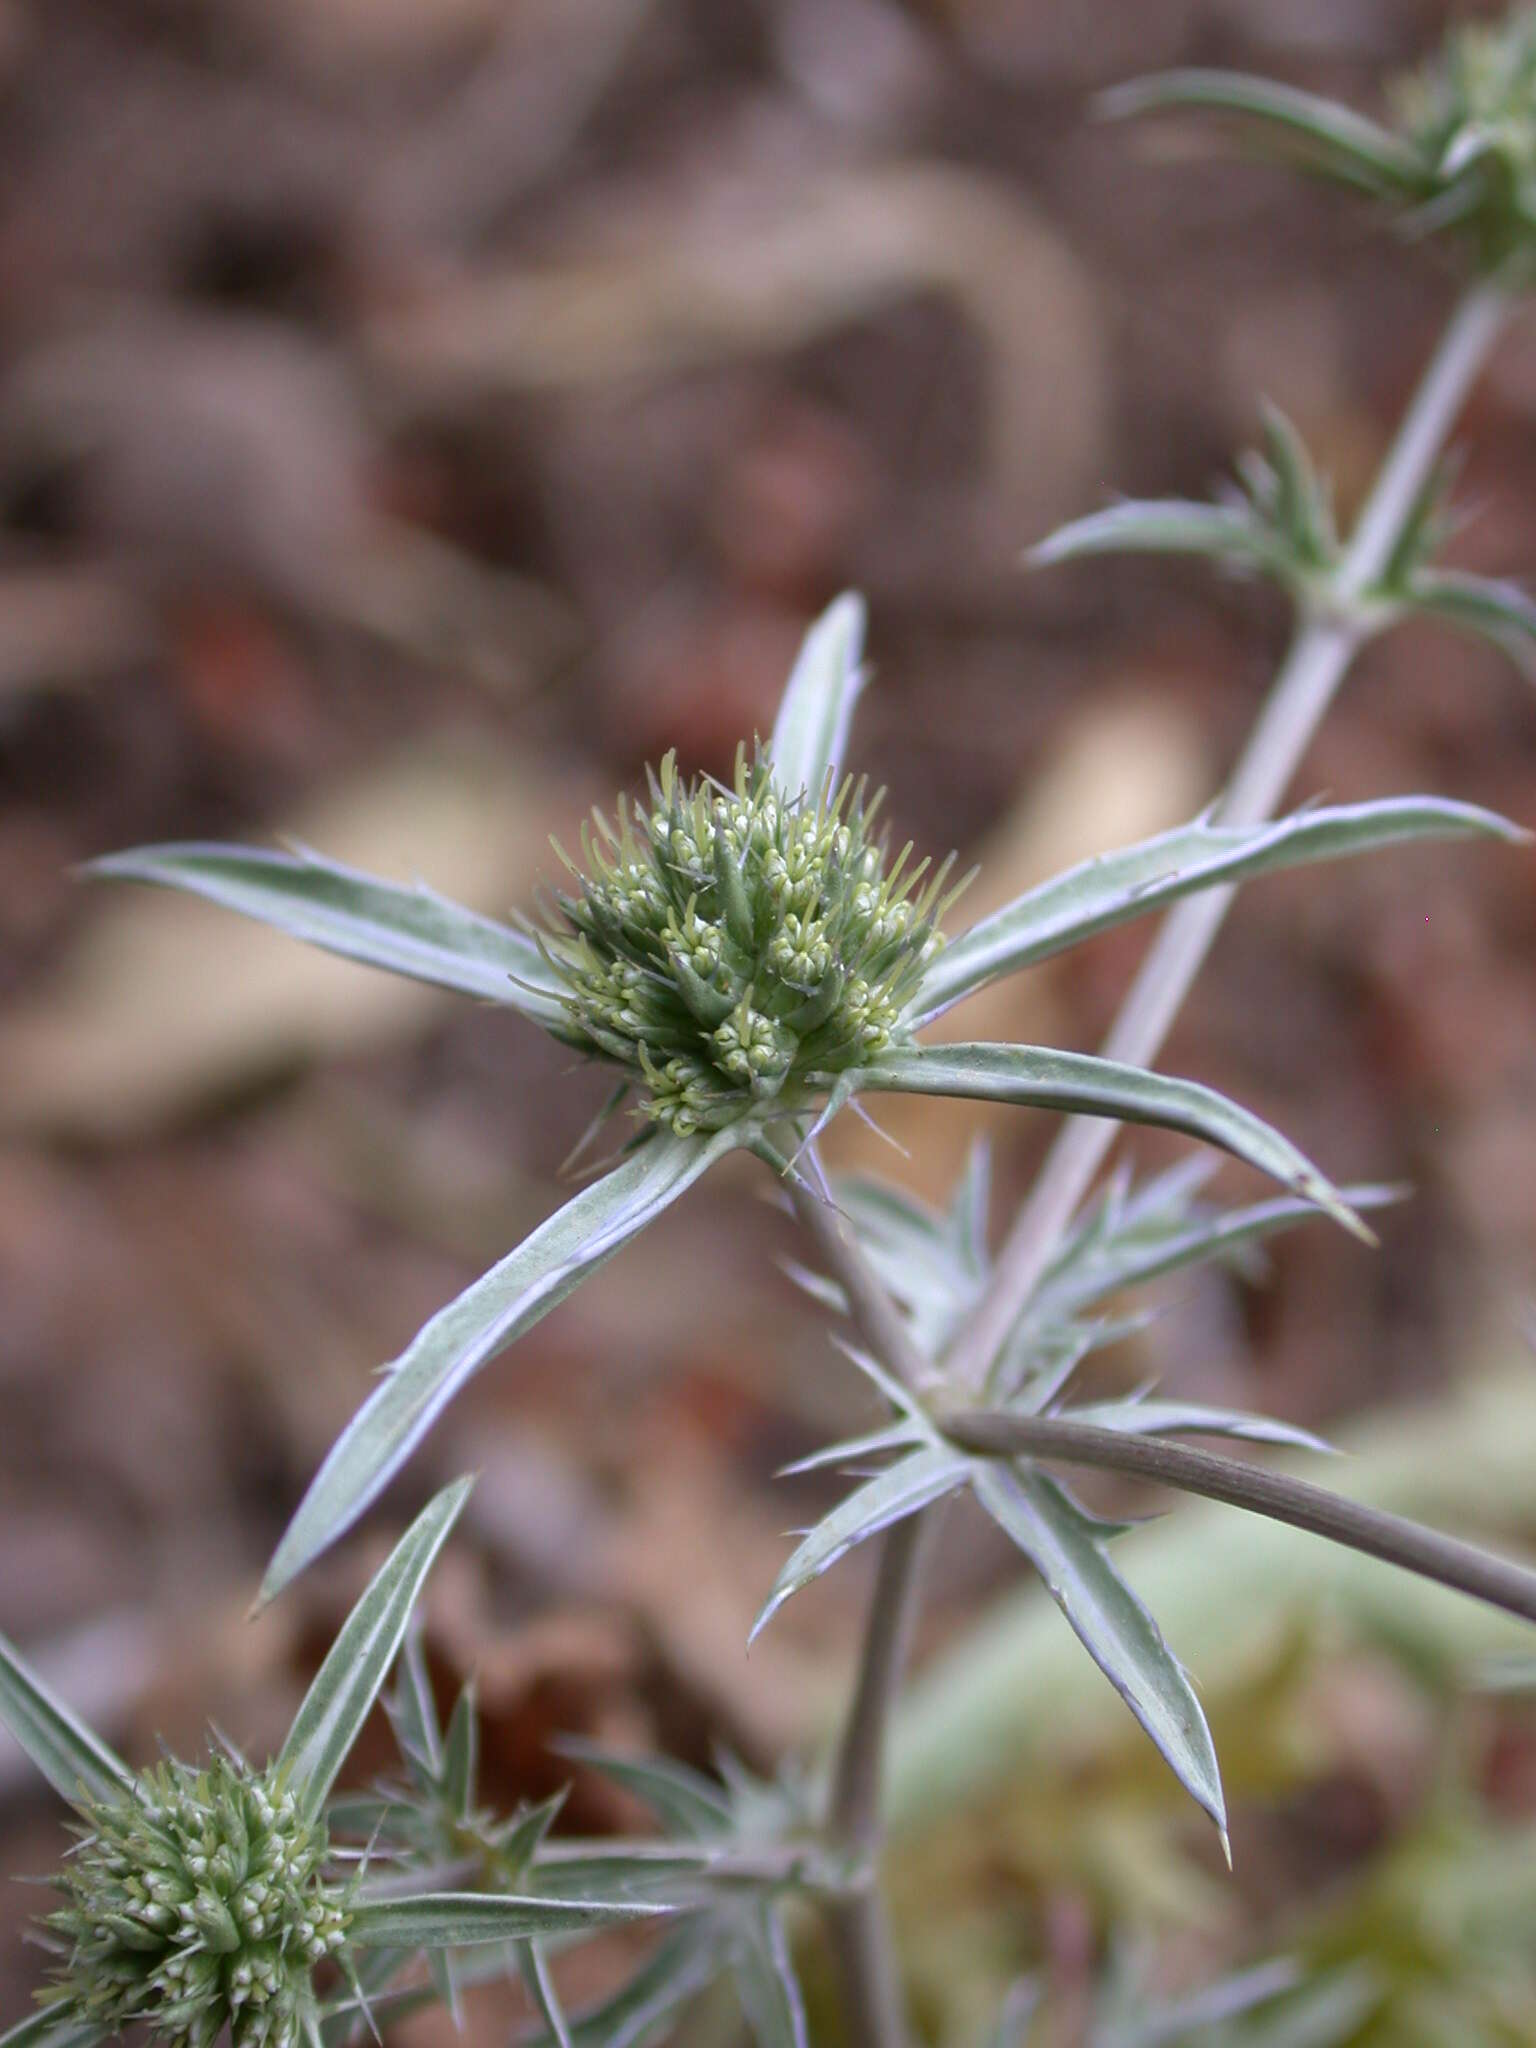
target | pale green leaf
x=681, y=1967
x=1114, y=1262
x=1041, y=1077
x=1333, y=138
x=1500, y=612
x=1153, y=1417
x=852, y=1451
x=1158, y=526
x=519, y=1839
x=811, y=731
x=1135, y=880
x=540, y=1985
x=682, y=1798
x=407, y=931
x=347, y=1683
x=766, y=1983
x=52, y=2026
x=889, y=1497
x=572, y=1870
x=74, y=1760
x=466, y=1919
x=547, y=1266
x=412, y=1709
x=1065, y=1547
x=461, y=1754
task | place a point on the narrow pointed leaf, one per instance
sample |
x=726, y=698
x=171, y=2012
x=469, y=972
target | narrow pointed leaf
x=811, y=731
x=74, y=1760
x=1192, y=1418
x=851, y=1450
x=52, y=2026
x=408, y=931
x=533, y=1967
x=466, y=1919
x=890, y=1497
x=1158, y=526
x=348, y=1682
x=679, y=1797
x=1042, y=1078
x=1111, y=1623
x=682, y=1966
x=1500, y=612
x=1116, y=1263
x=653, y=1869
x=766, y=1983
x=1335, y=139
x=519, y=1839
x=1135, y=880
x=413, y=1710
x=461, y=1754
x=546, y=1267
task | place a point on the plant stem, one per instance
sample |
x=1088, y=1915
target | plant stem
x=1499, y=1581
x=1319, y=656
x=875, y=1316
x=859, y=1926
x=1318, y=659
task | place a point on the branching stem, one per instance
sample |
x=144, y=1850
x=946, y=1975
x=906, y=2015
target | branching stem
x=1319, y=656
x=1260, y=1490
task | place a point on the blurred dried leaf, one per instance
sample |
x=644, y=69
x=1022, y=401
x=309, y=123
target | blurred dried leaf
x=672, y=291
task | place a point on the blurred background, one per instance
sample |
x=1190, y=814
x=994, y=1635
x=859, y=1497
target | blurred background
x=415, y=415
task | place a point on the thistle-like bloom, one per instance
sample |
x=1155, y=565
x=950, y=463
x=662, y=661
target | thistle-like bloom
x=198, y=1901
x=739, y=947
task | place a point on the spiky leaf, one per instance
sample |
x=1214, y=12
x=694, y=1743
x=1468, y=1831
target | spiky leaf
x=408, y=931
x=1136, y=880
x=546, y=1267
x=348, y=1682
x=1040, y=1077
x=73, y=1759
x=466, y=1919
x=915, y=1482
x=1334, y=139
x=1066, y=1548
x=811, y=730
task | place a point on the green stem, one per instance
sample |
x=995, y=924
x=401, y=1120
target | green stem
x=1318, y=660
x=860, y=1926
x=1499, y=1581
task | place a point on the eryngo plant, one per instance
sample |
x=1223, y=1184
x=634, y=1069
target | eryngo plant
x=205, y=1897
x=745, y=956
x=751, y=961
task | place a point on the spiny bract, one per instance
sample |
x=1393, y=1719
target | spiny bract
x=739, y=948
x=197, y=1902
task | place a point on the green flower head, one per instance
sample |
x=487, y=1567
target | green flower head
x=740, y=947
x=198, y=1901
x=1471, y=115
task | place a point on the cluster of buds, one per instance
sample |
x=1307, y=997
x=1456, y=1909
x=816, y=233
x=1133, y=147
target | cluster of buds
x=198, y=1902
x=1470, y=115
x=739, y=947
